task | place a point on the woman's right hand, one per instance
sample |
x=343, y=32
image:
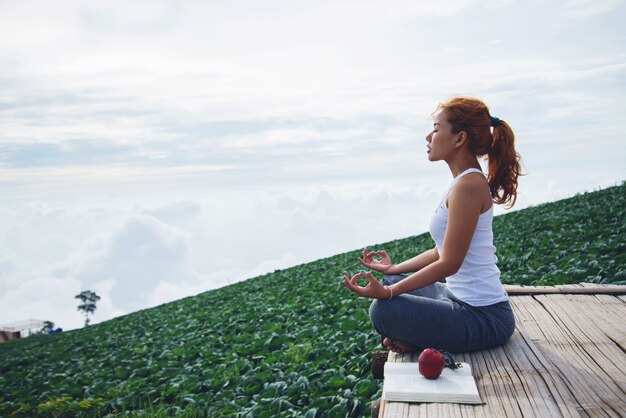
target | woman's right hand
x=381, y=265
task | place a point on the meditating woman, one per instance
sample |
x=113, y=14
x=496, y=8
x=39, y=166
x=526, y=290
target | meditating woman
x=413, y=308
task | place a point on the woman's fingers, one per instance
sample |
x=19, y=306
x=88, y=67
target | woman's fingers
x=373, y=288
x=364, y=274
x=371, y=264
x=369, y=261
x=353, y=280
x=350, y=284
x=367, y=255
x=346, y=281
x=356, y=277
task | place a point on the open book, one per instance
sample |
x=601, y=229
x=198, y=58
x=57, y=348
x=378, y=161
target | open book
x=404, y=383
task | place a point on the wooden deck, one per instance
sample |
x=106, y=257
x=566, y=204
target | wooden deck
x=567, y=358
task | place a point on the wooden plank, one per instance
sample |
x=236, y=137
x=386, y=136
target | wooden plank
x=543, y=331
x=583, y=288
x=581, y=317
x=601, y=359
x=609, y=315
x=490, y=386
x=558, y=399
x=581, y=355
x=592, y=285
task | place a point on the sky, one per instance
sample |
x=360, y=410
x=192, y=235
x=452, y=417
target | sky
x=154, y=150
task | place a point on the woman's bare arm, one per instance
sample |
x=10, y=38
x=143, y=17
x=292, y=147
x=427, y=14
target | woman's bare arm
x=416, y=263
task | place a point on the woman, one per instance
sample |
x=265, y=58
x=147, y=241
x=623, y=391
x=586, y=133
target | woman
x=471, y=310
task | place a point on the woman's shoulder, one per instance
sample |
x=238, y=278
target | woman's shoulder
x=471, y=183
x=472, y=189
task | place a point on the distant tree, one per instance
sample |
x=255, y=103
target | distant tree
x=47, y=326
x=89, y=300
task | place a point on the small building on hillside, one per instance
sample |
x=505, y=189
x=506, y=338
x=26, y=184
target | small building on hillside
x=20, y=329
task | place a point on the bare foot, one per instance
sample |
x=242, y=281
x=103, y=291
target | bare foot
x=398, y=346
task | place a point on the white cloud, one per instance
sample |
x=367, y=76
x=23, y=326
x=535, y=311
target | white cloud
x=175, y=213
x=140, y=15
x=139, y=253
x=586, y=8
x=7, y=265
x=288, y=137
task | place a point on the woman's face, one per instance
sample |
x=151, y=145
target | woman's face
x=440, y=140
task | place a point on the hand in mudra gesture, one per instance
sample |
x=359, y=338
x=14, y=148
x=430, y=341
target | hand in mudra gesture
x=379, y=264
x=374, y=289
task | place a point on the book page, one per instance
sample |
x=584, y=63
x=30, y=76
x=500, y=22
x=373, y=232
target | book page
x=413, y=368
x=403, y=382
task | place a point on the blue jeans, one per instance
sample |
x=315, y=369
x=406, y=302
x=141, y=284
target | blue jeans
x=433, y=317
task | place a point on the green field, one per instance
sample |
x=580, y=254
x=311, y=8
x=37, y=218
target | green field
x=290, y=343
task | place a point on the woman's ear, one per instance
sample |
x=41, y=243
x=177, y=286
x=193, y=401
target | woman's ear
x=461, y=139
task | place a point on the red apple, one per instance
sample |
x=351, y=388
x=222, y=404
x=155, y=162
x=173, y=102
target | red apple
x=431, y=363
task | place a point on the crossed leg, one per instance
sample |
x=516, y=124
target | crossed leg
x=432, y=317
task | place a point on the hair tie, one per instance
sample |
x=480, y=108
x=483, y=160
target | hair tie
x=494, y=121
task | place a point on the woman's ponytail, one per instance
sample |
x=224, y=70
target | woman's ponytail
x=504, y=164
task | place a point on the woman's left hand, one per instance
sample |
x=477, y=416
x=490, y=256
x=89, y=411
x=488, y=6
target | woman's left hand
x=374, y=289
x=381, y=265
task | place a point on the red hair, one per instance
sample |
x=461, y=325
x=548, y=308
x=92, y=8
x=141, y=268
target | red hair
x=472, y=116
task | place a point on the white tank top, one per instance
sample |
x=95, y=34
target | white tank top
x=478, y=280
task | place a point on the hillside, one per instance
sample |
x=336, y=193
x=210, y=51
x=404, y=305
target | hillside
x=294, y=342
